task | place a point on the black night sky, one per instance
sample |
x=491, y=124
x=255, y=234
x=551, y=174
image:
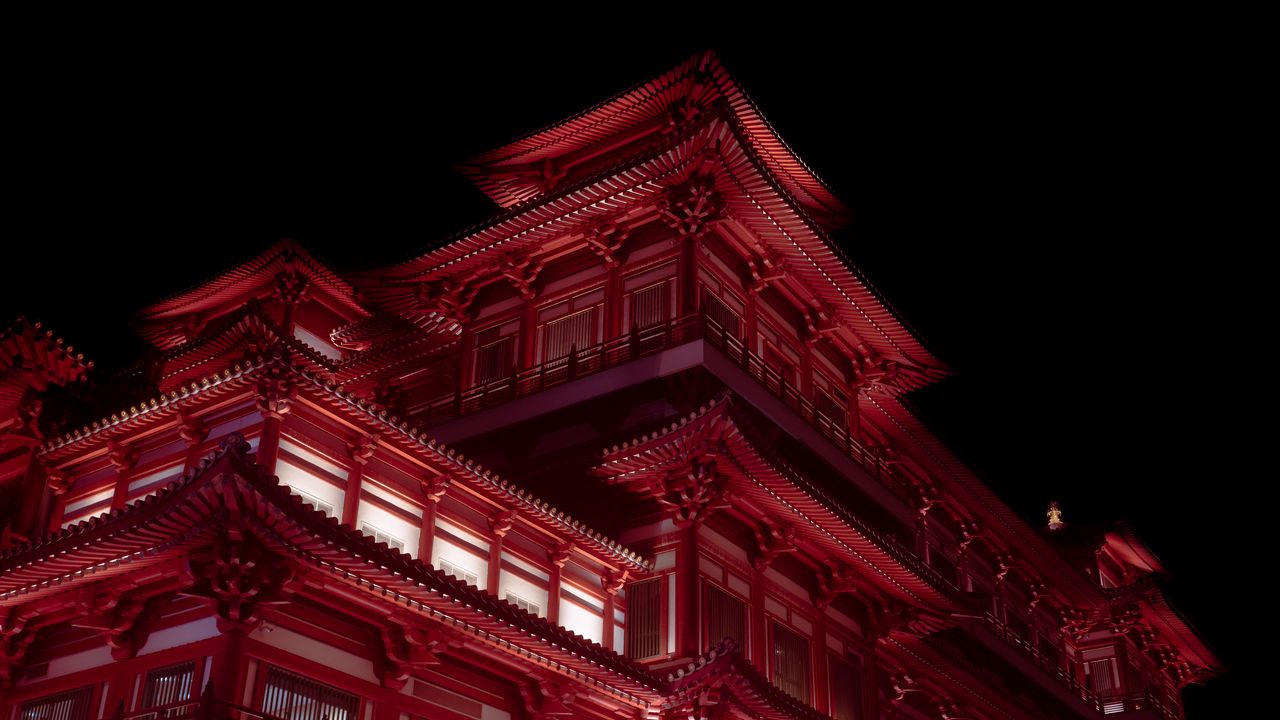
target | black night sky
x=1055, y=215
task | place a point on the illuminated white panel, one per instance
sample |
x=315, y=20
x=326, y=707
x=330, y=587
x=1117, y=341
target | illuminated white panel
x=489, y=712
x=738, y=585
x=709, y=567
x=583, y=597
x=530, y=568
x=394, y=525
x=510, y=583
x=160, y=477
x=217, y=432
x=619, y=639
x=382, y=493
x=311, y=487
x=181, y=635
x=87, y=500
x=314, y=458
x=306, y=647
x=78, y=662
x=461, y=558
x=724, y=544
x=578, y=619
x=458, y=532
x=664, y=560
x=319, y=344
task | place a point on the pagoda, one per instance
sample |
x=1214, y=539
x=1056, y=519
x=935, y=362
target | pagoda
x=635, y=448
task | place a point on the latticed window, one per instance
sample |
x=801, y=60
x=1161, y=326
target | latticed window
x=1103, y=676
x=69, y=705
x=726, y=617
x=649, y=306
x=644, y=618
x=494, y=360
x=294, y=697
x=722, y=315
x=569, y=334
x=791, y=662
x=168, y=685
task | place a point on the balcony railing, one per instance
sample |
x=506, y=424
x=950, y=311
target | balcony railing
x=648, y=341
x=205, y=707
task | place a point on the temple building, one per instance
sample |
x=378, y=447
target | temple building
x=635, y=448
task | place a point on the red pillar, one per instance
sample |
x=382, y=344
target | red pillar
x=687, y=277
x=559, y=557
x=687, y=640
x=759, y=657
x=821, y=673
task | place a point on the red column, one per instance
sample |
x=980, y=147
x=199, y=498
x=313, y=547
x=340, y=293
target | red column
x=759, y=656
x=229, y=664
x=433, y=488
x=614, y=323
x=361, y=450
x=821, y=670
x=500, y=524
x=687, y=636
x=528, y=327
x=687, y=277
x=559, y=557
x=123, y=458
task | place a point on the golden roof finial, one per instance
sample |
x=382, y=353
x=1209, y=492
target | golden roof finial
x=1055, y=516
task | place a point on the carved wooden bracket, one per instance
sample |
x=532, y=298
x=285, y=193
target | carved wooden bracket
x=692, y=208
x=15, y=639
x=836, y=580
x=766, y=270
x=291, y=286
x=434, y=487
x=605, y=241
x=362, y=448
x=122, y=456
x=58, y=481
x=548, y=699
x=123, y=619
x=502, y=522
x=560, y=555
x=522, y=273
x=692, y=494
x=241, y=577
x=612, y=582
x=772, y=540
x=190, y=429
x=408, y=649
x=451, y=299
x=276, y=393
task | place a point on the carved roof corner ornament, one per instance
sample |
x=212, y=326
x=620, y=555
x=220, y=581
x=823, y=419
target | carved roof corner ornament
x=449, y=298
x=692, y=208
x=692, y=493
x=241, y=577
x=606, y=241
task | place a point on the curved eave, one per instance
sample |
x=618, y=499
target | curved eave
x=826, y=523
x=245, y=277
x=1170, y=623
x=754, y=197
x=375, y=419
x=890, y=413
x=737, y=683
x=949, y=678
x=704, y=82
x=159, y=527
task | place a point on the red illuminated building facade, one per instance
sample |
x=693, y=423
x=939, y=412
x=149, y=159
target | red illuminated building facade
x=636, y=447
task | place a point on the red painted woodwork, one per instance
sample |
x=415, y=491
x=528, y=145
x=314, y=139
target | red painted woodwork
x=345, y=477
